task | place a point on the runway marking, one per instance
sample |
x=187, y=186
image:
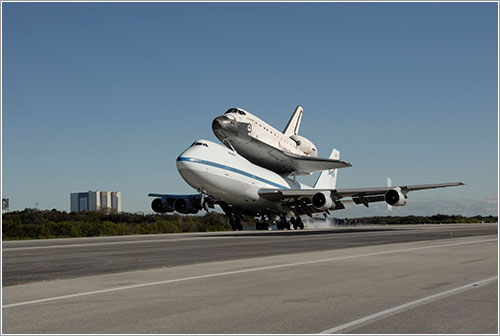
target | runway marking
x=62, y=297
x=406, y=305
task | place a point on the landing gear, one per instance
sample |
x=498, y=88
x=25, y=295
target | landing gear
x=297, y=223
x=283, y=224
x=300, y=223
x=263, y=224
x=235, y=223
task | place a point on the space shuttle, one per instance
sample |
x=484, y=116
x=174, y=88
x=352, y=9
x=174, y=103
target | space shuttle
x=285, y=153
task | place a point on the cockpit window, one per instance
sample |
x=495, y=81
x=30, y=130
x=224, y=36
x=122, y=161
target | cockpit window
x=199, y=144
x=235, y=110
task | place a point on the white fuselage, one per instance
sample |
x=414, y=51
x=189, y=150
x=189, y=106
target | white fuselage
x=222, y=173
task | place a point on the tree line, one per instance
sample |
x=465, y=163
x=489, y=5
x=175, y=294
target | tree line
x=37, y=224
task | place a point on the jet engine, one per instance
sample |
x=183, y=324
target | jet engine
x=395, y=197
x=162, y=205
x=186, y=206
x=322, y=200
x=305, y=145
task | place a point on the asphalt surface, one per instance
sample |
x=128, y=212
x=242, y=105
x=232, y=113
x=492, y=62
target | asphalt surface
x=41, y=260
x=425, y=279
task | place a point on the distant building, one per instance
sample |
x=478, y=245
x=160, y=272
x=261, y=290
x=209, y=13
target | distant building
x=96, y=200
x=5, y=205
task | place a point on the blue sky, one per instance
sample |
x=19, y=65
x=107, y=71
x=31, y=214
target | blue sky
x=104, y=96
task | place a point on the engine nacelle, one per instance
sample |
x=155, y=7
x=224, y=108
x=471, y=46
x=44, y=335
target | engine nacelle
x=322, y=201
x=305, y=145
x=186, y=206
x=395, y=197
x=162, y=205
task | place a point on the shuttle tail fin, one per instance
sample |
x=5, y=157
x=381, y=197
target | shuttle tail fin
x=328, y=178
x=292, y=128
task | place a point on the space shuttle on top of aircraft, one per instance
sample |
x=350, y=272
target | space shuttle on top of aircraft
x=282, y=152
x=249, y=176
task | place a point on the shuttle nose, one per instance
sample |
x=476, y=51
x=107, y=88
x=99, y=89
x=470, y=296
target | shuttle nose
x=221, y=122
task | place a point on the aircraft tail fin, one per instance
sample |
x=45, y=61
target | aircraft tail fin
x=328, y=178
x=292, y=128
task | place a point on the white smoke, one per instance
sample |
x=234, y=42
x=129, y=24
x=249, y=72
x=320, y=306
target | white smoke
x=320, y=223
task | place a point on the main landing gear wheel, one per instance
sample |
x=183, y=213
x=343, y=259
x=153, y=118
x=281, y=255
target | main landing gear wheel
x=261, y=226
x=297, y=223
x=235, y=224
x=283, y=224
x=300, y=223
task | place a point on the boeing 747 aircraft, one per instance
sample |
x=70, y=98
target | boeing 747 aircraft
x=223, y=177
x=282, y=152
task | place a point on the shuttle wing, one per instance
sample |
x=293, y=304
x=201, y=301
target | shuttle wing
x=301, y=164
x=286, y=163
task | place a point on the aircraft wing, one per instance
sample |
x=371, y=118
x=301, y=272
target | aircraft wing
x=300, y=200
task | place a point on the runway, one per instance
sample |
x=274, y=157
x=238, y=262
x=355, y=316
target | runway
x=422, y=279
x=41, y=260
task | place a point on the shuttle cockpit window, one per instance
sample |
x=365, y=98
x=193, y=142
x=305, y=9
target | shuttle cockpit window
x=199, y=144
x=235, y=110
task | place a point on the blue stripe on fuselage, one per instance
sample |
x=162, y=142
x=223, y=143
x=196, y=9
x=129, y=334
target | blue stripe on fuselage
x=231, y=169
